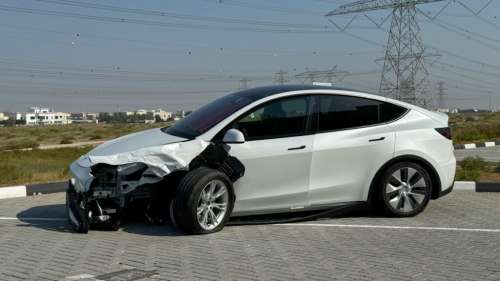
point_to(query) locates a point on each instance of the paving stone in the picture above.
(48, 250)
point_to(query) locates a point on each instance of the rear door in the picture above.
(353, 140)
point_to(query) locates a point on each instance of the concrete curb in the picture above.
(476, 145)
(55, 187)
(32, 189)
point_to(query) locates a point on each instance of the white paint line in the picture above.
(470, 146)
(392, 227)
(31, 219)
(79, 277)
(465, 185)
(489, 144)
(12, 192)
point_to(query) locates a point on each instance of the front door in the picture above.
(276, 155)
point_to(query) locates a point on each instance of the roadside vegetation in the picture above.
(476, 169)
(475, 127)
(21, 137)
(37, 166)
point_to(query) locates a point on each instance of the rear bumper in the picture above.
(446, 191)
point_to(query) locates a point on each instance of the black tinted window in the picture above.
(389, 112)
(343, 112)
(281, 118)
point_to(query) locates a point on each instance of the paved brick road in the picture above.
(354, 247)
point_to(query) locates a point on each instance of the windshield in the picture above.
(208, 116)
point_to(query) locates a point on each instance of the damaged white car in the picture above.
(268, 150)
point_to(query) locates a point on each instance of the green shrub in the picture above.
(67, 140)
(470, 169)
(95, 137)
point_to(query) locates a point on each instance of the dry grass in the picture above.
(37, 166)
(32, 137)
(475, 127)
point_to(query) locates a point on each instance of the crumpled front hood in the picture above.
(135, 141)
(161, 152)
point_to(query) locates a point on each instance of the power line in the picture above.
(179, 15)
(158, 23)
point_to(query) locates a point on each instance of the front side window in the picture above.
(280, 118)
(336, 112)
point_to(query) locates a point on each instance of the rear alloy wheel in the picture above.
(405, 189)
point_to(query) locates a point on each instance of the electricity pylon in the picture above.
(243, 83)
(281, 77)
(404, 74)
(312, 76)
(441, 94)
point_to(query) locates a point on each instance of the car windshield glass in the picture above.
(208, 116)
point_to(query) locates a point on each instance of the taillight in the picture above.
(445, 132)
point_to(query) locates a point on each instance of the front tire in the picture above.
(203, 202)
(76, 215)
(404, 189)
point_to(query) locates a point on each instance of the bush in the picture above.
(471, 168)
(67, 140)
(95, 137)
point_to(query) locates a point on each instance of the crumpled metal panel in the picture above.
(160, 159)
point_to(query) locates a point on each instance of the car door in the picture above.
(352, 141)
(276, 154)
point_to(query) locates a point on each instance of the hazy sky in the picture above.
(180, 54)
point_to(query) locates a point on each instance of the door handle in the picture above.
(297, 148)
(379, 139)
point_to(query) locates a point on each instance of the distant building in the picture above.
(141, 112)
(180, 114)
(4, 116)
(161, 114)
(83, 117)
(44, 116)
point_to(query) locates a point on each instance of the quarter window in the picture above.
(280, 118)
(343, 112)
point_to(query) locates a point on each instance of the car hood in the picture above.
(135, 141)
(161, 152)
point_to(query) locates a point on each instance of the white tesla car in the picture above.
(268, 150)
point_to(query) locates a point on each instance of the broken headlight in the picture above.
(131, 172)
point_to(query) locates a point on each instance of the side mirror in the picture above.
(233, 136)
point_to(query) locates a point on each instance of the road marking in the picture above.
(31, 219)
(393, 227)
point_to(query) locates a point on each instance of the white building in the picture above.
(3, 117)
(44, 116)
(163, 115)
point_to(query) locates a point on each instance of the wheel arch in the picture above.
(436, 181)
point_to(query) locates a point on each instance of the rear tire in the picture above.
(404, 189)
(203, 202)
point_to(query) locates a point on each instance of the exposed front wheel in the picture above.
(405, 189)
(77, 216)
(203, 202)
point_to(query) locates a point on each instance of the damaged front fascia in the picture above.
(159, 161)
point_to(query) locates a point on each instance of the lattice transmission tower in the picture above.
(404, 74)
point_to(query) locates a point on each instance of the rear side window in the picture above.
(389, 112)
(337, 112)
